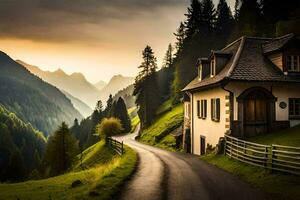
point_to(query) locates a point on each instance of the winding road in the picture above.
(163, 175)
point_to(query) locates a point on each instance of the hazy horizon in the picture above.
(98, 39)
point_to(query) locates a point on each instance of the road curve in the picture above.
(177, 176)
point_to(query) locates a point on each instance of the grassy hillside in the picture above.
(158, 133)
(103, 175)
(279, 185)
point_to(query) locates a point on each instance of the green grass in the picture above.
(288, 137)
(132, 112)
(165, 107)
(134, 122)
(279, 185)
(158, 133)
(106, 173)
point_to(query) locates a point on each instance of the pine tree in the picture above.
(224, 20)
(122, 114)
(168, 59)
(109, 103)
(16, 169)
(209, 15)
(180, 37)
(61, 150)
(194, 21)
(76, 129)
(250, 21)
(145, 88)
(237, 9)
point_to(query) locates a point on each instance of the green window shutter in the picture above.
(205, 108)
(198, 108)
(212, 109)
(218, 109)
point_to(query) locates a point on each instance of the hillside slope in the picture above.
(104, 173)
(84, 109)
(75, 84)
(15, 135)
(32, 99)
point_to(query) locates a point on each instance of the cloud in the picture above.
(74, 20)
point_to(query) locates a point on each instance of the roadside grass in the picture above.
(105, 174)
(134, 122)
(158, 133)
(288, 137)
(132, 112)
(278, 184)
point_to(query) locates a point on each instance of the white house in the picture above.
(250, 87)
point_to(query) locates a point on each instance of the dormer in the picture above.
(218, 60)
(284, 52)
(203, 68)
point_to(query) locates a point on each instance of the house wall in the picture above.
(281, 91)
(277, 60)
(208, 128)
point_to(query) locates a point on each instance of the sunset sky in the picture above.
(99, 38)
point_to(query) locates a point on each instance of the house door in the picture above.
(256, 111)
(256, 118)
(202, 145)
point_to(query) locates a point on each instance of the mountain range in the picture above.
(75, 86)
(32, 99)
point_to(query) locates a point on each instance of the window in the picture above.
(200, 72)
(203, 109)
(212, 68)
(215, 109)
(198, 108)
(293, 63)
(294, 108)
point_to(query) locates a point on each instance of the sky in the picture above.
(99, 38)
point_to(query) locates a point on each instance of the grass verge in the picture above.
(105, 173)
(279, 185)
(158, 133)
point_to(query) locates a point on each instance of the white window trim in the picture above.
(292, 67)
(200, 72)
(213, 67)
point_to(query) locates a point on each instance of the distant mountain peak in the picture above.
(59, 72)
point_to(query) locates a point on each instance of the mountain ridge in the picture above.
(32, 99)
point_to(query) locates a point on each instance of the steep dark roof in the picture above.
(276, 43)
(247, 63)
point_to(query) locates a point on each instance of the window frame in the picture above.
(215, 109)
(292, 105)
(290, 63)
(212, 67)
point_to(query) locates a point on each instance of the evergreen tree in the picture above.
(145, 88)
(224, 20)
(109, 103)
(180, 37)
(194, 21)
(168, 59)
(237, 9)
(16, 169)
(76, 129)
(250, 21)
(122, 114)
(209, 15)
(61, 150)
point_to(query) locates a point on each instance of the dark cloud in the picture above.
(61, 20)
